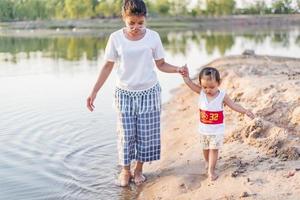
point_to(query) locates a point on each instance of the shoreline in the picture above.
(93, 26)
(260, 158)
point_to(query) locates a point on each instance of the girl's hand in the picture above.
(90, 102)
(250, 114)
(184, 71)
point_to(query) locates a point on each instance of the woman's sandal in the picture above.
(139, 178)
(124, 179)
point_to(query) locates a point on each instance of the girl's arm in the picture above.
(104, 73)
(163, 66)
(196, 88)
(186, 77)
(236, 107)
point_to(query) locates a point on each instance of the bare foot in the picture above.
(213, 176)
(206, 166)
(124, 178)
(139, 178)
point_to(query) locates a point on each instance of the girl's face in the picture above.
(135, 24)
(209, 86)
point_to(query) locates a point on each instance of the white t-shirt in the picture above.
(211, 114)
(136, 70)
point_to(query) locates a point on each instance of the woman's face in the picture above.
(135, 24)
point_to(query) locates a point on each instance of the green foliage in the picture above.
(175, 42)
(257, 8)
(283, 7)
(178, 7)
(79, 8)
(220, 42)
(220, 7)
(6, 10)
(55, 9)
(163, 7)
(107, 8)
(11, 10)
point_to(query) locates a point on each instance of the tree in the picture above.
(6, 10)
(79, 8)
(103, 9)
(39, 9)
(178, 7)
(196, 10)
(228, 7)
(282, 7)
(117, 7)
(163, 7)
(220, 7)
(258, 8)
(211, 7)
(298, 4)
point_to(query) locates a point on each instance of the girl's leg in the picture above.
(206, 154)
(213, 157)
(206, 157)
(204, 142)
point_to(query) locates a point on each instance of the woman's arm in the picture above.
(236, 107)
(104, 73)
(163, 66)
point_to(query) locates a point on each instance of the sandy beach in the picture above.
(260, 157)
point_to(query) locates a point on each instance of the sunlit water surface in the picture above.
(51, 147)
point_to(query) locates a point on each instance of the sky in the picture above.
(245, 3)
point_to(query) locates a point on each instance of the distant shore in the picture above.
(62, 27)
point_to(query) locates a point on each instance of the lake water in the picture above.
(51, 146)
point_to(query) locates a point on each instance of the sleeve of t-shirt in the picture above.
(110, 50)
(158, 52)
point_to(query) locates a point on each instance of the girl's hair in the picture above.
(134, 7)
(211, 73)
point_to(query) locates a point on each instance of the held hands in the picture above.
(90, 102)
(184, 71)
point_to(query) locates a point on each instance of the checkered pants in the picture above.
(138, 124)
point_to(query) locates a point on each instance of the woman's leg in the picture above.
(138, 173)
(125, 176)
(126, 145)
(148, 142)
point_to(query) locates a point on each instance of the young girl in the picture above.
(211, 123)
(137, 93)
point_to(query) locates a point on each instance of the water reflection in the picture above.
(68, 48)
(76, 48)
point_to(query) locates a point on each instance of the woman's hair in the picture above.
(134, 7)
(210, 73)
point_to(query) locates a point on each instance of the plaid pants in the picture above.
(138, 125)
